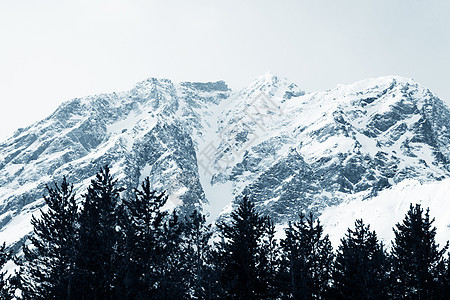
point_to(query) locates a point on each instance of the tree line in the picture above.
(108, 247)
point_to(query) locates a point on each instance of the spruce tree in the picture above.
(144, 227)
(173, 272)
(445, 278)
(164, 253)
(416, 257)
(307, 260)
(6, 290)
(98, 259)
(156, 251)
(237, 256)
(360, 268)
(196, 249)
(268, 268)
(48, 269)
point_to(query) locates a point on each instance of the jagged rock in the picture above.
(206, 145)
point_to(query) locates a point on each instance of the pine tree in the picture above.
(144, 226)
(307, 260)
(442, 289)
(98, 259)
(172, 271)
(268, 268)
(237, 258)
(6, 290)
(164, 253)
(49, 264)
(196, 251)
(156, 249)
(445, 279)
(416, 257)
(360, 268)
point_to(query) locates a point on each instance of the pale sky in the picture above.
(52, 51)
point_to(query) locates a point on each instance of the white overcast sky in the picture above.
(52, 51)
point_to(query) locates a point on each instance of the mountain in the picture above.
(207, 145)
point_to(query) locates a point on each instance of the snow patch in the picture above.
(389, 208)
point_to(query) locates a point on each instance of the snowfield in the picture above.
(389, 208)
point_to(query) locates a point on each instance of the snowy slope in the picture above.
(147, 131)
(207, 146)
(311, 151)
(389, 208)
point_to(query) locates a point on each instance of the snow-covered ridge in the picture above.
(207, 145)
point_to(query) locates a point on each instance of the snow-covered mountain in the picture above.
(207, 145)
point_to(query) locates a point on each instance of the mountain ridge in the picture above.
(207, 145)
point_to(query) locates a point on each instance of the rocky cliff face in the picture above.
(311, 151)
(207, 145)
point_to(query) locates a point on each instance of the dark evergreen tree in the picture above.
(360, 267)
(307, 260)
(196, 250)
(164, 253)
(156, 250)
(268, 268)
(237, 257)
(174, 271)
(48, 270)
(6, 290)
(144, 227)
(98, 259)
(445, 279)
(416, 257)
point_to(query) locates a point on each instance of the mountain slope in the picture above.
(388, 208)
(320, 147)
(207, 145)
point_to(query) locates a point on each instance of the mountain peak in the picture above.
(272, 85)
(382, 82)
(288, 150)
(267, 79)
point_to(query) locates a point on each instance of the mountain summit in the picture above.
(207, 145)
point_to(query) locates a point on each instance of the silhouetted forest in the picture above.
(108, 247)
